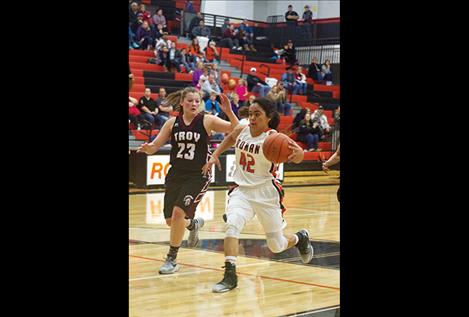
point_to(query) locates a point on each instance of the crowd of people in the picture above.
(201, 58)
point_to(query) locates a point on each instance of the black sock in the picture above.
(191, 226)
(173, 252)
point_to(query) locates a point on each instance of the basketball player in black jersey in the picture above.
(185, 185)
(334, 159)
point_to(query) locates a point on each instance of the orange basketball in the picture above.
(232, 83)
(276, 148)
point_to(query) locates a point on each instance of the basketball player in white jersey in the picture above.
(257, 192)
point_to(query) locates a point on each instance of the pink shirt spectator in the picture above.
(241, 91)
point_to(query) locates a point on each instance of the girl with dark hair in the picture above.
(256, 191)
(184, 184)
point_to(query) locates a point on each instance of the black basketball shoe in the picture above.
(230, 280)
(304, 246)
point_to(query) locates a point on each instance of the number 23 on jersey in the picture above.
(190, 151)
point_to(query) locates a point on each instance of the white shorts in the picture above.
(263, 201)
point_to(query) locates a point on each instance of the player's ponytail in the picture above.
(270, 111)
(175, 98)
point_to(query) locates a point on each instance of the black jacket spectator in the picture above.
(299, 116)
(201, 31)
(253, 81)
(195, 22)
(291, 21)
(308, 16)
(313, 70)
(149, 103)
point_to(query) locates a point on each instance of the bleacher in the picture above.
(154, 77)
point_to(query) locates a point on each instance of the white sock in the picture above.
(296, 239)
(231, 259)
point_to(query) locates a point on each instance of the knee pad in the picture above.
(276, 241)
(234, 225)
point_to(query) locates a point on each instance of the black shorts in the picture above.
(184, 190)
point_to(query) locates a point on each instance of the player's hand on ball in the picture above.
(297, 152)
(207, 168)
(146, 148)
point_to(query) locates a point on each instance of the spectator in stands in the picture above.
(159, 18)
(289, 81)
(144, 36)
(202, 103)
(158, 32)
(301, 81)
(134, 113)
(235, 105)
(278, 97)
(133, 12)
(229, 38)
(290, 54)
(195, 53)
(216, 74)
(132, 40)
(243, 114)
(197, 73)
(172, 63)
(146, 14)
(314, 70)
(307, 19)
(137, 23)
(149, 109)
(250, 101)
(248, 35)
(189, 7)
(257, 85)
(226, 25)
(181, 59)
(211, 53)
(212, 106)
(162, 51)
(299, 116)
(291, 18)
(164, 110)
(326, 71)
(242, 90)
(319, 116)
(202, 33)
(277, 53)
(163, 57)
(309, 132)
(210, 86)
(194, 23)
(204, 77)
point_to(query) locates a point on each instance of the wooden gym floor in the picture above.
(268, 284)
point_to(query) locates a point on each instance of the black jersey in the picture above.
(189, 145)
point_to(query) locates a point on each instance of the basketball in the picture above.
(276, 148)
(232, 83)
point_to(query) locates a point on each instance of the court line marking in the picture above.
(187, 273)
(222, 231)
(241, 273)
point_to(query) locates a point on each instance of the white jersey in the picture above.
(252, 168)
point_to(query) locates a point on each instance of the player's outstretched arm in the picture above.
(228, 142)
(163, 136)
(218, 125)
(334, 159)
